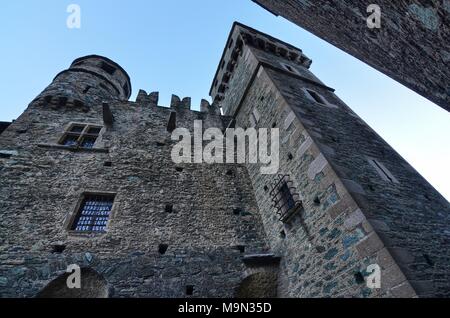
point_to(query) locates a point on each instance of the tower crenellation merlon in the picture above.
(240, 40)
(176, 103)
(147, 99)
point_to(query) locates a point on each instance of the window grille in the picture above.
(285, 199)
(94, 213)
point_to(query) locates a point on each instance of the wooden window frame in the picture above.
(80, 136)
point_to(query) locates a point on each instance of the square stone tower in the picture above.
(358, 204)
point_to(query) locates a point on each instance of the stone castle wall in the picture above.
(412, 45)
(41, 184)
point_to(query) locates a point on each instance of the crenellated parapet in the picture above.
(241, 37)
(176, 103)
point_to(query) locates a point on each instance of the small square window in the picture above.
(189, 290)
(94, 213)
(81, 135)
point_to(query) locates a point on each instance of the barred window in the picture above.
(94, 213)
(81, 135)
(285, 200)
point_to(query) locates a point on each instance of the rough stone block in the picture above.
(370, 245)
(354, 219)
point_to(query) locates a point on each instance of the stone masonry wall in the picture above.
(409, 215)
(412, 45)
(363, 204)
(319, 250)
(41, 183)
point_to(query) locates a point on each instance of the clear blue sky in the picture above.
(173, 46)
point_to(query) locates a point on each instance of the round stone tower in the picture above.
(89, 81)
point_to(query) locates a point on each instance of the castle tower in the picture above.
(344, 204)
(89, 80)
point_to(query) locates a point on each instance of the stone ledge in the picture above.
(73, 149)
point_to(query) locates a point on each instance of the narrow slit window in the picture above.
(252, 120)
(384, 173)
(289, 68)
(94, 130)
(81, 135)
(316, 97)
(126, 89)
(94, 213)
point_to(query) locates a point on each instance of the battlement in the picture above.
(152, 99)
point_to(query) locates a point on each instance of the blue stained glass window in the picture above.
(94, 213)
